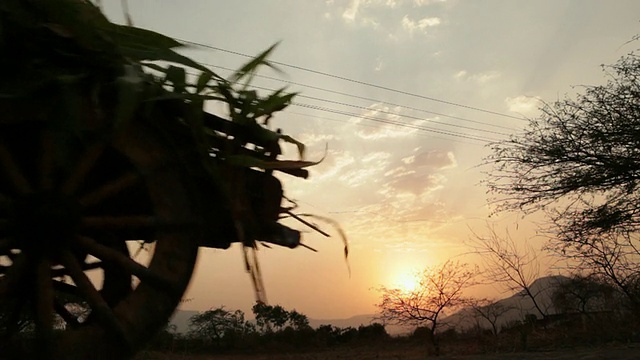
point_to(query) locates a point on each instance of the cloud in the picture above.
(418, 174)
(334, 163)
(460, 75)
(387, 16)
(480, 78)
(419, 3)
(367, 170)
(421, 25)
(310, 139)
(349, 15)
(382, 123)
(523, 104)
(379, 65)
(404, 225)
(436, 159)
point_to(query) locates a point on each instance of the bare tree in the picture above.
(489, 310)
(439, 288)
(515, 267)
(580, 163)
(585, 294)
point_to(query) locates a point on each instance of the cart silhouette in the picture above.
(98, 157)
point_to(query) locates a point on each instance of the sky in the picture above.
(454, 74)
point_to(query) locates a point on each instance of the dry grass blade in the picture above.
(331, 222)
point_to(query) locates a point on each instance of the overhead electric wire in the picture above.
(379, 127)
(355, 81)
(387, 121)
(404, 116)
(391, 122)
(387, 112)
(365, 98)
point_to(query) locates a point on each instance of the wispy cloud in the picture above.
(351, 12)
(421, 25)
(526, 105)
(480, 78)
(381, 125)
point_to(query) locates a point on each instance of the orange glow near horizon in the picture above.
(407, 281)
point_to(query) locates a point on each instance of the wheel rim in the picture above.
(60, 220)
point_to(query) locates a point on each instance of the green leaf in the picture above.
(250, 161)
(177, 76)
(274, 103)
(203, 79)
(131, 36)
(252, 65)
(140, 53)
(299, 145)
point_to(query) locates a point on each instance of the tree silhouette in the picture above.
(580, 163)
(439, 288)
(514, 266)
(490, 310)
(270, 318)
(216, 324)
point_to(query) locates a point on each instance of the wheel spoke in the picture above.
(83, 167)
(65, 314)
(44, 306)
(11, 322)
(14, 276)
(108, 254)
(110, 189)
(12, 171)
(47, 161)
(66, 288)
(98, 305)
(86, 266)
(119, 222)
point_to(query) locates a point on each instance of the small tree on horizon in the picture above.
(489, 310)
(440, 288)
(216, 324)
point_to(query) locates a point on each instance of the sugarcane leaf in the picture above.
(298, 144)
(274, 103)
(250, 161)
(203, 79)
(252, 65)
(177, 76)
(124, 35)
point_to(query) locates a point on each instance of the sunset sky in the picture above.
(454, 75)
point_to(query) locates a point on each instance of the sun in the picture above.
(407, 282)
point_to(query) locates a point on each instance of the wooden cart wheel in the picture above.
(69, 205)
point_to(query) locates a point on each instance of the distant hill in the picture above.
(519, 304)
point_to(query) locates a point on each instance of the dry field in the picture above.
(611, 352)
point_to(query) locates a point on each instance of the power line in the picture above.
(365, 98)
(356, 81)
(391, 122)
(378, 127)
(405, 116)
(388, 112)
(387, 121)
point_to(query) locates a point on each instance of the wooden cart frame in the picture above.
(85, 173)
